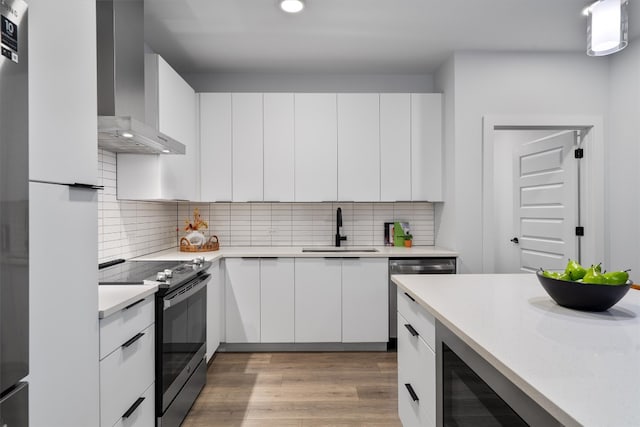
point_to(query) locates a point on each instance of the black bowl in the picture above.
(583, 296)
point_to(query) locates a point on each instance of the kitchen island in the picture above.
(581, 367)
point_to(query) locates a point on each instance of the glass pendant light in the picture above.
(607, 29)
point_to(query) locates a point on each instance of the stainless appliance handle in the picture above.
(186, 291)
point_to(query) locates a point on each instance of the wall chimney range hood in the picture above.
(127, 113)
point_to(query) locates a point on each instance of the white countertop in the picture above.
(113, 298)
(296, 252)
(583, 368)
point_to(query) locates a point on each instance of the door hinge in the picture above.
(579, 231)
(579, 153)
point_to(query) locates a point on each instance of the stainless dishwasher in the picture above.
(412, 266)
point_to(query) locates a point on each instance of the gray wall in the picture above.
(502, 84)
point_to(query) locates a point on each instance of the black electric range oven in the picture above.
(181, 316)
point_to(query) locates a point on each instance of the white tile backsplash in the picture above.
(128, 229)
(310, 224)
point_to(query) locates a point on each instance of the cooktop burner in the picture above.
(135, 272)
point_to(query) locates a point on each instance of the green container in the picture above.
(398, 234)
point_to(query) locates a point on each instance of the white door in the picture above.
(546, 201)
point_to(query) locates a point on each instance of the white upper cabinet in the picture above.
(247, 130)
(62, 94)
(395, 147)
(177, 115)
(358, 147)
(316, 151)
(215, 147)
(278, 147)
(426, 146)
(165, 177)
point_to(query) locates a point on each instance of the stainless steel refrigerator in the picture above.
(14, 215)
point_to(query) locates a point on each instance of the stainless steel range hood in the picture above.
(127, 119)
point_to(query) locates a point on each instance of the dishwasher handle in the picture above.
(422, 268)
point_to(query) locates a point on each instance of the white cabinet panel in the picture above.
(63, 144)
(358, 147)
(144, 415)
(215, 147)
(56, 213)
(165, 177)
(365, 300)
(318, 312)
(215, 309)
(278, 147)
(316, 151)
(124, 375)
(416, 367)
(121, 326)
(242, 296)
(247, 155)
(395, 147)
(177, 115)
(426, 146)
(277, 300)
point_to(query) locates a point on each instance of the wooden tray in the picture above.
(209, 246)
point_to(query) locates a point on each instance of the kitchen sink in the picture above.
(333, 249)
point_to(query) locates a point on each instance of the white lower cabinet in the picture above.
(242, 300)
(318, 295)
(215, 309)
(127, 369)
(416, 375)
(365, 300)
(277, 300)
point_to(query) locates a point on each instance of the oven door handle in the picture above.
(186, 291)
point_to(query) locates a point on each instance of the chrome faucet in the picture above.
(339, 238)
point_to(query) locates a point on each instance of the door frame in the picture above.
(591, 183)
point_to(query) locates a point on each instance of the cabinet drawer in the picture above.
(115, 330)
(125, 374)
(143, 415)
(417, 375)
(423, 322)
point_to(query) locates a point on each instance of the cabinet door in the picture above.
(316, 151)
(395, 147)
(246, 118)
(215, 309)
(426, 146)
(318, 313)
(56, 213)
(358, 147)
(278, 147)
(215, 147)
(177, 118)
(416, 367)
(365, 300)
(277, 300)
(62, 93)
(242, 297)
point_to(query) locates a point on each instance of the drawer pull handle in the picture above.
(133, 408)
(413, 394)
(412, 330)
(133, 304)
(135, 338)
(410, 297)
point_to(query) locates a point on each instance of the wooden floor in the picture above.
(298, 389)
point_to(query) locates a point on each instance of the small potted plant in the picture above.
(408, 240)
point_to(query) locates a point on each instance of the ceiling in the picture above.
(357, 36)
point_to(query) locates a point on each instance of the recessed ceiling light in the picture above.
(291, 6)
(127, 135)
(166, 151)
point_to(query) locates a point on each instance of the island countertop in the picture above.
(582, 367)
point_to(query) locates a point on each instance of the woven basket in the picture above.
(209, 246)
